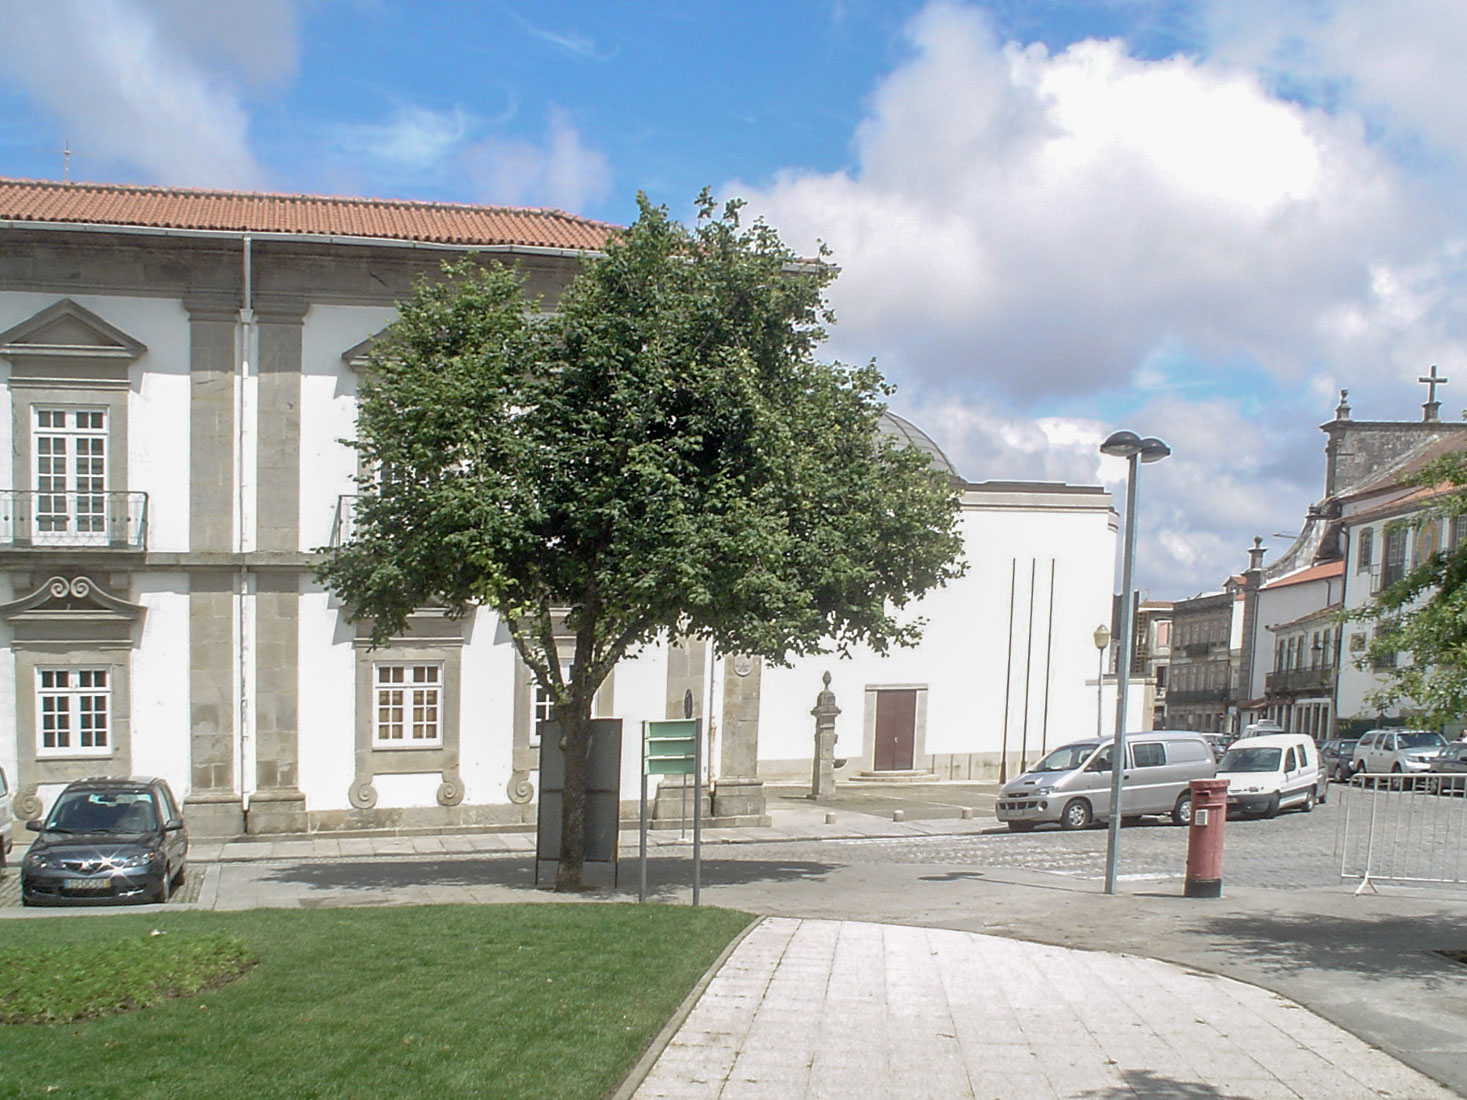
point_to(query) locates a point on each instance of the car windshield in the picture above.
(1421, 741)
(1065, 759)
(102, 812)
(1250, 760)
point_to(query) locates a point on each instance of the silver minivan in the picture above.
(1072, 784)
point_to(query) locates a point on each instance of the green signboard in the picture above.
(670, 747)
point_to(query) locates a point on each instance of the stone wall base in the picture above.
(213, 814)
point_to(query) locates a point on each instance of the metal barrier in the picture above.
(1403, 828)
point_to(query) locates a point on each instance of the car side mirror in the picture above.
(173, 825)
(33, 826)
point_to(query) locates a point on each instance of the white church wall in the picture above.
(968, 663)
(160, 719)
(328, 412)
(326, 703)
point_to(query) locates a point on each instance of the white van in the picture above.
(1273, 772)
(1072, 785)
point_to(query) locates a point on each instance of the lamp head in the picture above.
(1125, 444)
(1101, 636)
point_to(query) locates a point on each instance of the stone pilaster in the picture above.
(738, 792)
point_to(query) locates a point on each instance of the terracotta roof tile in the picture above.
(308, 215)
(1313, 573)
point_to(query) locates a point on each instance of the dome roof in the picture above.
(908, 434)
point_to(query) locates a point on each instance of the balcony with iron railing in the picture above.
(1296, 680)
(345, 523)
(31, 519)
(1196, 695)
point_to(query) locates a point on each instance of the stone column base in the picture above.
(671, 802)
(276, 810)
(213, 814)
(739, 796)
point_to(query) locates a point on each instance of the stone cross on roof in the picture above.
(1431, 406)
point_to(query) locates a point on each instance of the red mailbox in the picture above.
(1205, 838)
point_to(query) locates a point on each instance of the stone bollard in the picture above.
(822, 777)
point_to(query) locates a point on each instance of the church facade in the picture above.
(177, 373)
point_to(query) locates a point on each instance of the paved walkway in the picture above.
(835, 1010)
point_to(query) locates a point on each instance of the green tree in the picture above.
(662, 455)
(1418, 646)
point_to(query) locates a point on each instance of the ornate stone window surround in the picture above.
(70, 622)
(432, 639)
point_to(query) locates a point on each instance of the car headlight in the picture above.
(1043, 792)
(40, 859)
(138, 859)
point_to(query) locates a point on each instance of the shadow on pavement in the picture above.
(520, 873)
(1142, 1084)
(1372, 946)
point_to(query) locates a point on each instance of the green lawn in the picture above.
(523, 1001)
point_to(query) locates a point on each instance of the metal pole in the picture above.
(642, 883)
(1008, 676)
(1100, 691)
(1123, 675)
(697, 812)
(1048, 653)
(1028, 667)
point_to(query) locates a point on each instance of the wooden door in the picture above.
(896, 730)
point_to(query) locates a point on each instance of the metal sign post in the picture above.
(673, 747)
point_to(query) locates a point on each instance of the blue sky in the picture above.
(1195, 219)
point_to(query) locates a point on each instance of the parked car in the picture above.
(1448, 772)
(1072, 785)
(105, 841)
(1398, 752)
(1338, 756)
(1273, 772)
(1218, 742)
(1260, 729)
(7, 822)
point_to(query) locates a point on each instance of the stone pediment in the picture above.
(71, 608)
(67, 344)
(356, 356)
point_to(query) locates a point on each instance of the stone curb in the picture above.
(638, 1073)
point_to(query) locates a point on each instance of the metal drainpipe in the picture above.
(246, 349)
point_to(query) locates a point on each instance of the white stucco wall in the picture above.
(966, 660)
(160, 703)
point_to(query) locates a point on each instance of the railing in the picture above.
(1202, 695)
(1300, 679)
(345, 523)
(72, 520)
(1403, 829)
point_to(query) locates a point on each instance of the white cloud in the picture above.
(1038, 224)
(560, 172)
(120, 79)
(1024, 230)
(414, 141)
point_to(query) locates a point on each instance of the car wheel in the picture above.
(178, 876)
(1308, 802)
(1021, 826)
(1273, 807)
(1076, 814)
(1182, 811)
(1397, 782)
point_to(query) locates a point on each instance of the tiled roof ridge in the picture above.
(300, 197)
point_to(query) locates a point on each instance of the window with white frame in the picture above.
(70, 448)
(409, 705)
(73, 712)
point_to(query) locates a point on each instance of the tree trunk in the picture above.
(575, 729)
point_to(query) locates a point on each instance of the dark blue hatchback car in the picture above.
(106, 841)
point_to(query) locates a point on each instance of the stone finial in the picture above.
(1255, 554)
(1342, 410)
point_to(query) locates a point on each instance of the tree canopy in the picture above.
(662, 454)
(1422, 617)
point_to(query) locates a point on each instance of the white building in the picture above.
(177, 372)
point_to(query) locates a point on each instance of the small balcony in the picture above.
(1296, 681)
(1198, 695)
(345, 523)
(30, 519)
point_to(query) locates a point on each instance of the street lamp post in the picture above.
(1102, 639)
(1134, 450)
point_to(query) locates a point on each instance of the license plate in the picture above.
(86, 884)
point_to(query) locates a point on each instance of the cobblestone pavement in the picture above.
(1291, 850)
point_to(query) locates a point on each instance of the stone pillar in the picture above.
(277, 804)
(822, 777)
(212, 805)
(738, 790)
